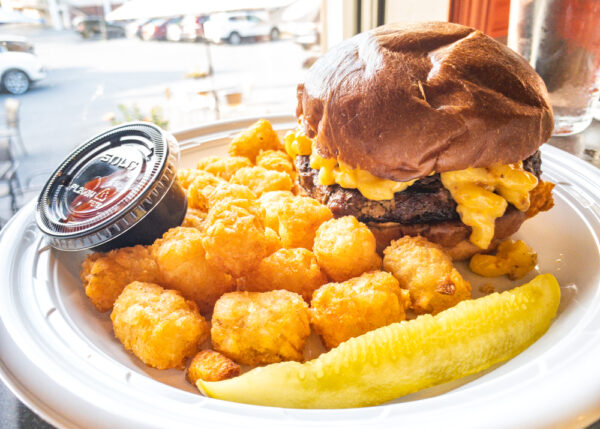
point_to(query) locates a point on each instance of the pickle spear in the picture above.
(404, 357)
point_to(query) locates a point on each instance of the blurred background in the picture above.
(72, 68)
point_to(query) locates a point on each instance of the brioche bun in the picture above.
(403, 100)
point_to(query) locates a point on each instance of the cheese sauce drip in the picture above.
(332, 171)
(296, 144)
(482, 195)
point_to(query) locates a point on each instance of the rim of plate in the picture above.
(59, 373)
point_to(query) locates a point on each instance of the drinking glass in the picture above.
(561, 40)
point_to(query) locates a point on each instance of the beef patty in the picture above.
(426, 201)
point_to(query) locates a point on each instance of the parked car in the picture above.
(234, 27)
(301, 21)
(94, 26)
(192, 27)
(133, 29)
(309, 41)
(174, 30)
(19, 66)
(306, 34)
(150, 29)
(16, 44)
(161, 31)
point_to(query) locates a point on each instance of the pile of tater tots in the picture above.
(255, 268)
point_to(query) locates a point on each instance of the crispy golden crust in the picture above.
(276, 160)
(183, 266)
(258, 328)
(540, 198)
(194, 218)
(186, 176)
(295, 270)
(223, 166)
(273, 242)
(295, 219)
(104, 275)
(229, 191)
(427, 273)
(235, 240)
(209, 365)
(345, 248)
(260, 136)
(269, 200)
(261, 180)
(513, 258)
(202, 185)
(340, 311)
(157, 325)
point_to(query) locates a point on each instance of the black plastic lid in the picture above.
(107, 185)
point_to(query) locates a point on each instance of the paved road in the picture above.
(88, 79)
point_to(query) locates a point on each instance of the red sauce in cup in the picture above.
(96, 195)
(117, 189)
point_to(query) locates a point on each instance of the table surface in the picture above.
(15, 415)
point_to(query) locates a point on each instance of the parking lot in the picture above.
(88, 79)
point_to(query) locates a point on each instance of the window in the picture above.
(185, 69)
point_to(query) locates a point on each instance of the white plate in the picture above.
(58, 355)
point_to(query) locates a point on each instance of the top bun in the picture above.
(404, 100)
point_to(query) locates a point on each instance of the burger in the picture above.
(428, 129)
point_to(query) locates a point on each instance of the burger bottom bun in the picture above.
(453, 236)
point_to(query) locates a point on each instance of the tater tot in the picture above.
(256, 138)
(104, 275)
(261, 180)
(235, 240)
(272, 197)
(229, 191)
(198, 191)
(209, 365)
(258, 328)
(183, 266)
(295, 219)
(427, 273)
(194, 218)
(340, 311)
(271, 202)
(540, 198)
(273, 242)
(197, 200)
(186, 176)
(223, 166)
(295, 270)
(513, 258)
(157, 325)
(276, 160)
(345, 248)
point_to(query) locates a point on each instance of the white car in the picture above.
(233, 27)
(19, 66)
(174, 30)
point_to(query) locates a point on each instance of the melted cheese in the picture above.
(332, 171)
(296, 143)
(372, 187)
(482, 195)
